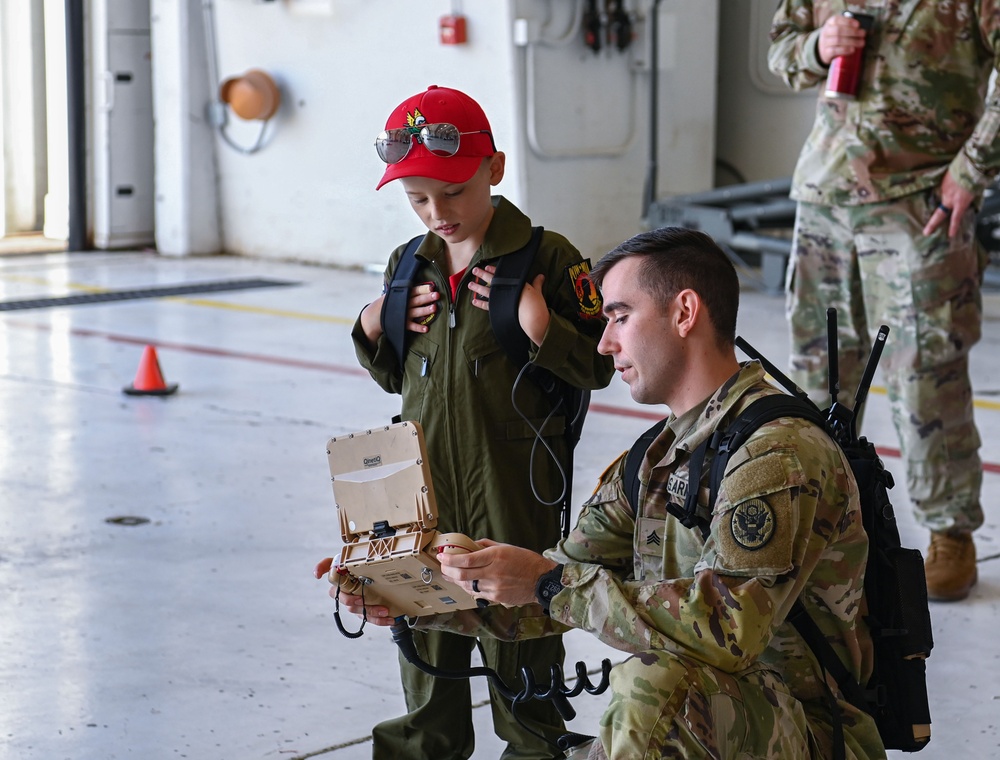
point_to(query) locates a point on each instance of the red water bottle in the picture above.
(845, 70)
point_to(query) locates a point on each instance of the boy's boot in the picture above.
(950, 566)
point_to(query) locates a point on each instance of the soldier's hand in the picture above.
(955, 201)
(503, 573)
(840, 35)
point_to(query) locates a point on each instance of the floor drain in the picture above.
(127, 520)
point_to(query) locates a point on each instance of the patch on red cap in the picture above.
(441, 105)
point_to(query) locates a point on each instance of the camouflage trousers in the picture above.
(667, 706)
(875, 266)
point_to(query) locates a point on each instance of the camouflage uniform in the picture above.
(867, 182)
(457, 384)
(716, 671)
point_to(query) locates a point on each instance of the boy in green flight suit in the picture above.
(491, 477)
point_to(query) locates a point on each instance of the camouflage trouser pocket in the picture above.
(925, 287)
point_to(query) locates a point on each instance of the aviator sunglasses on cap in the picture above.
(393, 145)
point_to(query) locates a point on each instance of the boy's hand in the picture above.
(371, 321)
(421, 307)
(532, 311)
(480, 286)
(377, 614)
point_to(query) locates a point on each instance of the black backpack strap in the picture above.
(397, 296)
(633, 460)
(828, 659)
(832, 664)
(505, 293)
(759, 413)
(724, 443)
(688, 514)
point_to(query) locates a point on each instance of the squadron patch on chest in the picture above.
(752, 524)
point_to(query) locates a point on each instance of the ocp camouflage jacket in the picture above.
(786, 525)
(921, 107)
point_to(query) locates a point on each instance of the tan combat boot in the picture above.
(950, 566)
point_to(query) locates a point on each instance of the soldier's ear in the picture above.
(687, 310)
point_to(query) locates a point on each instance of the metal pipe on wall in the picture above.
(649, 187)
(75, 56)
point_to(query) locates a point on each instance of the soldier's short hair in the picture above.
(676, 258)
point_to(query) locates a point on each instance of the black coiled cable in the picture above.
(557, 692)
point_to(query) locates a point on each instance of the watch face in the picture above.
(550, 588)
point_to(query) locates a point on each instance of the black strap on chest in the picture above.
(633, 461)
(722, 444)
(505, 292)
(397, 297)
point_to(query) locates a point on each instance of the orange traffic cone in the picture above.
(149, 379)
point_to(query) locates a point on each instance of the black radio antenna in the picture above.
(833, 354)
(866, 379)
(773, 371)
(839, 418)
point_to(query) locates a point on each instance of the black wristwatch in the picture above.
(549, 584)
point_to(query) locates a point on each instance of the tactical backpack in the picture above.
(896, 589)
(505, 293)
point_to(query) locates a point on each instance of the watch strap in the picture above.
(549, 584)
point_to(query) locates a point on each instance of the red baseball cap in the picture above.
(441, 105)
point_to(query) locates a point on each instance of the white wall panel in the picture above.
(342, 66)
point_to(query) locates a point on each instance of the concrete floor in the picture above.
(200, 633)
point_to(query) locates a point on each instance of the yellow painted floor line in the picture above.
(209, 303)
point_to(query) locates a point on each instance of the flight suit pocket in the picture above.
(418, 367)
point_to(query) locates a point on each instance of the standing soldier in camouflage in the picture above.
(888, 185)
(716, 669)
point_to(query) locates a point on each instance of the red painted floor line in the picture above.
(204, 350)
(615, 411)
